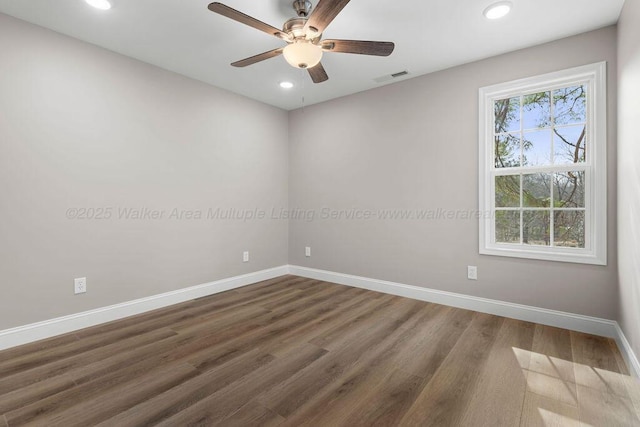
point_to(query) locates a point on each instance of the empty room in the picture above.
(319, 213)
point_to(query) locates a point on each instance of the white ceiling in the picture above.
(185, 37)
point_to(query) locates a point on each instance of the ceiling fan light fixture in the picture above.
(498, 10)
(99, 4)
(302, 54)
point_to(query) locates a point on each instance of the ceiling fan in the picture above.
(304, 37)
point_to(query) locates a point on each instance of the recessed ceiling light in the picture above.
(498, 10)
(99, 4)
(286, 85)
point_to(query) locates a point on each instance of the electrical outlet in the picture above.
(245, 256)
(80, 285)
(307, 251)
(472, 272)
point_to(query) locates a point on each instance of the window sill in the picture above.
(545, 254)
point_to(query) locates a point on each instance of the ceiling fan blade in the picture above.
(258, 58)
(247, 20)
(324, 13)
(318, 74)
(361, 47)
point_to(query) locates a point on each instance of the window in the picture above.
(543, 167)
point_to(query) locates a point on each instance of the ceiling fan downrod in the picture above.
(302, 8)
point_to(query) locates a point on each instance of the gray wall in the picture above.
(629, 172)
(81, 127)
(414, 145)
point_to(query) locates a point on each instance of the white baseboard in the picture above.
(62, 325)
(575, 322)
(592, 325)
(627, 352)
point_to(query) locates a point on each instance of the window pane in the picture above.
(508, 191)
(536, 110)
(569, 145)
(568, 190)
(507, 115)
(569, 229)
(570, 105)
(507, 150)
(535, 228)
(508, 226)
(536, 148)
(536, 190)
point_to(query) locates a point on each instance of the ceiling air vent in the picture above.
(391, 76)
(401, 73)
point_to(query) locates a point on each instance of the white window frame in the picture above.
(595, 167)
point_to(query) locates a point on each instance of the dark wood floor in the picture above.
(299, 352)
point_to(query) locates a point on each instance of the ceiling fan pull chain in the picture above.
(302, 85)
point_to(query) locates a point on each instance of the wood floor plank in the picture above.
(312, 283)
(228, 400)
(445, 398)
(282, 312)
(213, 303)
(302, 352)
(598, 379)
(80, 361)
(161, 318)
(207, 310)
(38, 346)
(552, 354)
(215, 314)
(29, 361)
(389, 401)
(256, 291)
(289, 396)
(39, 390)
(359, 386)
(504, 379)
(190, 392)
(158, 316)
(34, 393)
(93, 385)
(434, 344)
(334, 337)
(305, 332)
(111, 371)
(270, 328)
(595, 364)
(551, 371)
(259, 295)
(540, 411)
(282, 300)
(56, 348)
(208, 336)
(253, 303)
(633, 390)
(252, 415)
(622, 365)
(599, 408)
(161, 350)
(116, 400)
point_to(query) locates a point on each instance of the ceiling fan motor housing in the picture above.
(302, 7)
(295, 27)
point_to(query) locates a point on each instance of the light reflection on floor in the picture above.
(564, 393)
